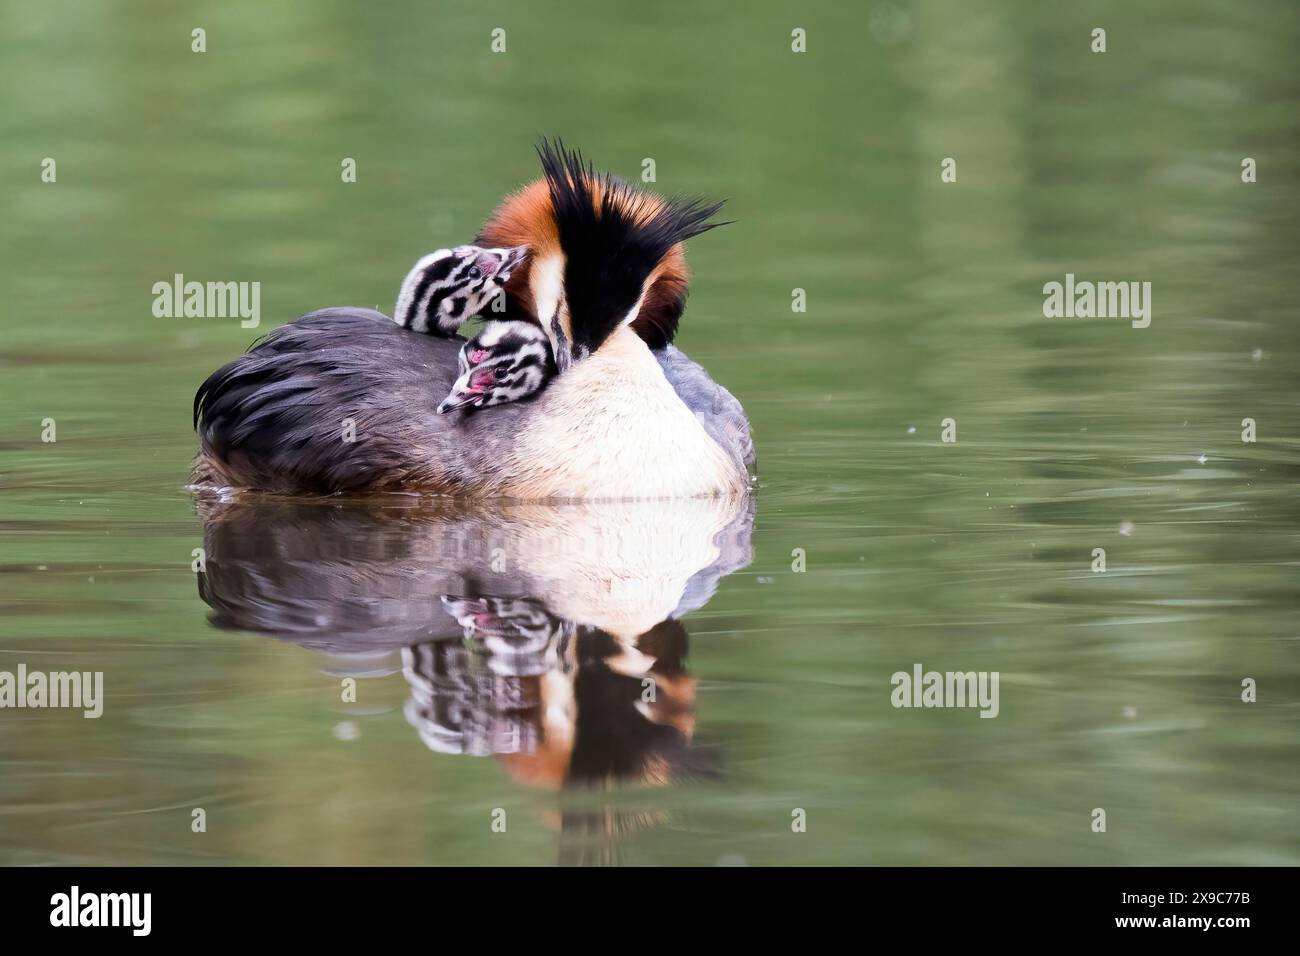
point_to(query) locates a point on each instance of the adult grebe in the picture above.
(339, 400)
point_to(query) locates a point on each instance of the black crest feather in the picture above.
(613, 235)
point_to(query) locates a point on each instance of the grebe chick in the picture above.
(449, 286)
(505, 362)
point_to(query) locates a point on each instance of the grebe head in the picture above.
(505, 362)
(448, 286)
(604, 254)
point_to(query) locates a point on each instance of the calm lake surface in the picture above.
(500, 655)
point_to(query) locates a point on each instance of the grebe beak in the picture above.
(560, 345)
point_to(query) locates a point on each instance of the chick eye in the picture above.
(473, 272)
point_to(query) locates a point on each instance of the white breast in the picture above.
(612, 427)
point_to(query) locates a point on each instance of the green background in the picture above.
(1119, 690)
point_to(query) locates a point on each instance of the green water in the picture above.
(1119, 690)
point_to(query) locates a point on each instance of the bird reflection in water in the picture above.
(547, 636)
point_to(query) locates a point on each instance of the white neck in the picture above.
(612, 427)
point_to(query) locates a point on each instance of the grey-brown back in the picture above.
(279, 417)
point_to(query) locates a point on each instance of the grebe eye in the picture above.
(473, 272)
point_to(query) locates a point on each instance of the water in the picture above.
(1119, 690)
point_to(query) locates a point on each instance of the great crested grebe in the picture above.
(334, 401)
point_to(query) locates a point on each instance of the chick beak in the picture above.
(458, 400)
(470, 389)
(512, 258)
